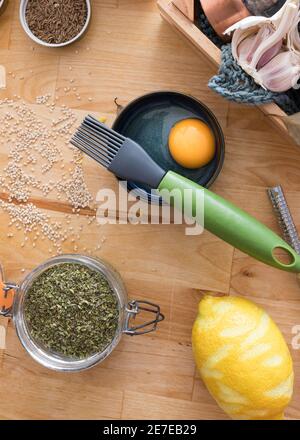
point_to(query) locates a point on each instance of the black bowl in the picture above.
(148, 120)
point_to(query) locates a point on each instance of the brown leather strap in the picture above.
(6, 296)
(6, 303)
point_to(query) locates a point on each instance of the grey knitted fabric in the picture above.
(236, 85)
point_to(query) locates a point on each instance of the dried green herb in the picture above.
(56, 21)
(72, 310)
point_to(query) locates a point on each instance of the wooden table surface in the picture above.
(129, 51)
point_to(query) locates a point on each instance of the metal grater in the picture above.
(284, 216)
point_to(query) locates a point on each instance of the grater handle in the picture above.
(232, 224)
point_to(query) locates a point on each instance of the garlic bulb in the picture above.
(293, 39)
(268, 49)
(281, 73)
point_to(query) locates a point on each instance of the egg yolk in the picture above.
(192, 143)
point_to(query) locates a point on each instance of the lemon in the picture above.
(242, 358)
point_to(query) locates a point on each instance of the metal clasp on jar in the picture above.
(7, 295)
(7, 299)
(133, 309)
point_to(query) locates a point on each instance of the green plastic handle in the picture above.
(232, 224)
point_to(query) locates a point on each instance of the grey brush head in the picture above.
(120, 155)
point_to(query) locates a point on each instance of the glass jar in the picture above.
(14, 297)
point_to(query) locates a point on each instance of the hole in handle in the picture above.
(283, 256)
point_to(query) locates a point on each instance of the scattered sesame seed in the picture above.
(31, 142)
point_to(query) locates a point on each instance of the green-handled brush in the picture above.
(127, 160)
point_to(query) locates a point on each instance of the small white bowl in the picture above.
(30, 34)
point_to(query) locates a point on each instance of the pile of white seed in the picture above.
(36, 151)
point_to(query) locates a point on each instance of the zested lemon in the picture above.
(243, 359)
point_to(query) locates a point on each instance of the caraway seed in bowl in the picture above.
(56, 21)
(71, 310)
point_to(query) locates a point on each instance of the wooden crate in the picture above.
(180, 14)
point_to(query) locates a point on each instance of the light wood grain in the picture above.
(152, 407)
(186, 7)
(5, 24)
(129, 51)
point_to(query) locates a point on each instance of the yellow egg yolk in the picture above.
(192, 143)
